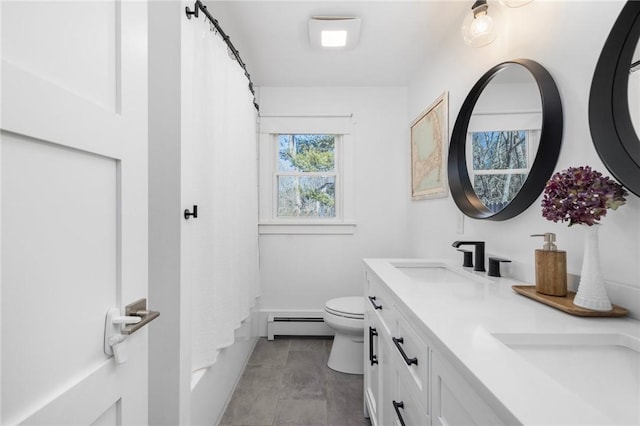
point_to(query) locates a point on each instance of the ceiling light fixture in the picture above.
(333, 38)
(477, 28)
(334, 32)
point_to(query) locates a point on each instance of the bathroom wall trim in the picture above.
(263, 316)
(297, 324)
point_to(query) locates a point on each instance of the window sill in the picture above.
(289, 228)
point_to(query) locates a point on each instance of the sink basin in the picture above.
(602, 369)
(435, 273)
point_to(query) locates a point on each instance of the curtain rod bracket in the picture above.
(190, 13)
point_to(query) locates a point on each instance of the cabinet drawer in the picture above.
(372, 370)
(412, 355)
(378, 302)
(455, 402)
(409, 407)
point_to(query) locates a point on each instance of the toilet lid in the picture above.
(351, 307)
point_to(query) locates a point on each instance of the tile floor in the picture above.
(287, 382)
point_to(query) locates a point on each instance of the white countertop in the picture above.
(463, 318)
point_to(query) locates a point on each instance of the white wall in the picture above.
(172, 400)
(168, 375)
(304, 271)
(566, 38)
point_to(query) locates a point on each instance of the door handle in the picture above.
(117, 327)
(138, 309)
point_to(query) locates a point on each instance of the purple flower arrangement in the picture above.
(580, 195)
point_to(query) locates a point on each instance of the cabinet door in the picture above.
(379, 303)
(408, 406)
(389, 384)
(455, 402)
(372, 367)
(412, 354)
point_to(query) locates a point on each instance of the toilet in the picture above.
(345, 315)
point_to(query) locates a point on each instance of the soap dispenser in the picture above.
(551, 267)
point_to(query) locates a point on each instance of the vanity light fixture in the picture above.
(477, 28)
(514, 3)
(334, 32)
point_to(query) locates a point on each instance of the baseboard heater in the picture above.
(296, 325)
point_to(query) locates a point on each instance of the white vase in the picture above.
(592, 293)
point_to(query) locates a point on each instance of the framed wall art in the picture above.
(429, 140)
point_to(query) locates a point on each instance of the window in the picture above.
(500, 164)
(306, 176)
(306, 167)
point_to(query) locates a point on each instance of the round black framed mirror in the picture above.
(610, 117)
(475, 194)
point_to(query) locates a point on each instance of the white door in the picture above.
(73, 209)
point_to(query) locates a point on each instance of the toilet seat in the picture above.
(348, 307)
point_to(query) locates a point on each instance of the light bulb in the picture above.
(481, 25)
(478, 30)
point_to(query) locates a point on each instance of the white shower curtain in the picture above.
(220, 176)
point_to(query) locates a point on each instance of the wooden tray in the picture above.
(565, 304)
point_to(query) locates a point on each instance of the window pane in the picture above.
(306, 153)
(306, 196)
(496, 191)
(499, 150)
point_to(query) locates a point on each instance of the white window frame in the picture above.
(533, 141)
(335, 173)
(532, 137)
(340, 125)
(483, 121)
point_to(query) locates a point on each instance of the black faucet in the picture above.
(467, 258)
(494, 266)
(478, 262)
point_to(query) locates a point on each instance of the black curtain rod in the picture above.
(635, 66)
(199, 6)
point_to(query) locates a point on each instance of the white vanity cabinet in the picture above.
(407, 380)
(455, 347)
(396, 378)
(377, 309)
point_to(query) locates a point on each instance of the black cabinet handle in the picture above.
(373, 359)
(372, 300)
(397, 341)
(397, 406)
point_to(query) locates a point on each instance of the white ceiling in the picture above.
(396, 38)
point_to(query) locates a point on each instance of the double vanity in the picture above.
(448, 346)
(445, 345)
